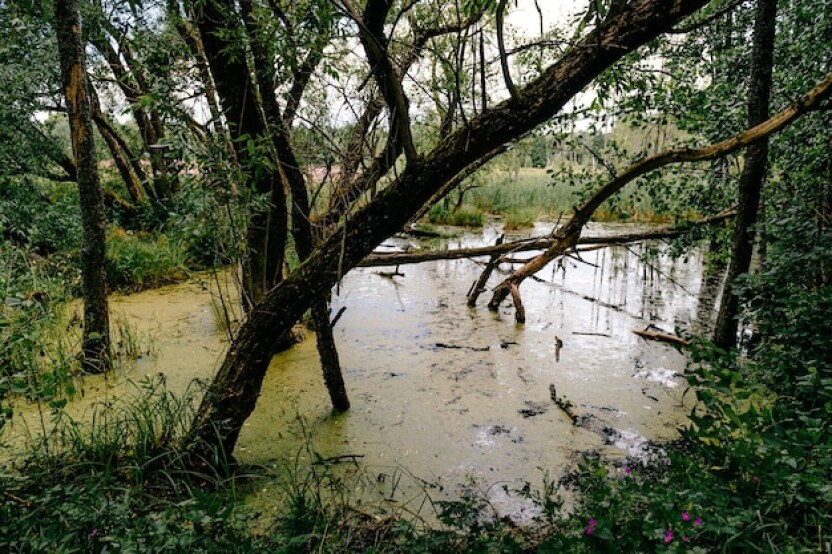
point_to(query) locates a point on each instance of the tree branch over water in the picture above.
(539, 243)
(568, 236)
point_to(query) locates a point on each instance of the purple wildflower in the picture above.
(698, 521)
(590, 526)
(668, 535)
(94, 533)
(685, 516)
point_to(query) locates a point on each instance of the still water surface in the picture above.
(448, 396)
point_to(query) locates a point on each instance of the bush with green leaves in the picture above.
(465, 216)
(142, 261)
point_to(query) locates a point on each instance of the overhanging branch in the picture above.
(568, 235)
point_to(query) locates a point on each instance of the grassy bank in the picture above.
(521, 197)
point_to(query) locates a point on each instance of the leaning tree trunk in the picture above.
(96, 341)
(233, 394)
(290, 174)
(753, 173)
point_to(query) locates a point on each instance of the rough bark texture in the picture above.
(753, 173)
(233, 394)
(96, 341)
(267, 227)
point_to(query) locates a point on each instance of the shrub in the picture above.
(463, 217)
(141, 261)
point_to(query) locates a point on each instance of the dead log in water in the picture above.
(562, 403)
(377, 259)
(662, 336)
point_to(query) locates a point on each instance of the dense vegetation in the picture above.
(187, 187)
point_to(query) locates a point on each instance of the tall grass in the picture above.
(124, 438)
(120, 483)
(466, 216)
(528, 188)
(526, 195)
(142, 261)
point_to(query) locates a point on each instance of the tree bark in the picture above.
(267, 228)
(234, 391)
(96, 340)
(753, 173)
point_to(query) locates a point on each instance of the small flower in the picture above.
(668, 535)
(628, 470)
(618, 537)
(590, 526)
(94, 533)
(685, 516)
(686, 538)
(698, 521)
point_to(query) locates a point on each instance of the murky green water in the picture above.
(457, 397)
(460, 396)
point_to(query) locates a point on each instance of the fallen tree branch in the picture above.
(562, 403)
(378, 259)
(663, 337)
(478, 286)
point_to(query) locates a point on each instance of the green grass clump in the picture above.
(142, 261)
(119, 484)
(465, 216)
(527, 188)
(519, 218)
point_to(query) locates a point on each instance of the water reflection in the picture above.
(447, 397)
(459, 395)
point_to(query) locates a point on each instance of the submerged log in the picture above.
(378, 259)
(662, 336)
(519, 310)
(478, 287)
(562, 403)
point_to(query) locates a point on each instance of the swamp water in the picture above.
(447, 399)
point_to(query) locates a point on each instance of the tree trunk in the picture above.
(267, 227)
(753, 173)
(233, 394)
(96, 341)
(328, 353)
(294, 181)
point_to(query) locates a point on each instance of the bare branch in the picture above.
(372, 36)
(568, 235)
(540, 243)
(501, 45)
(731, 6)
